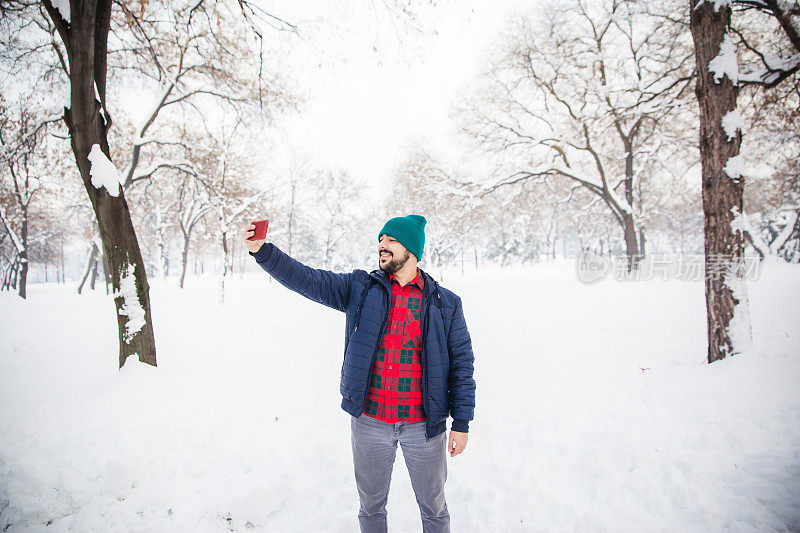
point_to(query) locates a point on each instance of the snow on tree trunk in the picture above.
(129, 304)
(225, 262)
(20, 262)
(86, 41)
(727, 306)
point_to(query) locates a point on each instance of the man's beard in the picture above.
(394, 264)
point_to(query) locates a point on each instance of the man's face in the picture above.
(391, 254)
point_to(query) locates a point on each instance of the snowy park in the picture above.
(550, 251)
(596, 411)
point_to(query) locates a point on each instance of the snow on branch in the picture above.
(786, 232)
(775, 70)
(254, 14)
(181, 166)
(11, 233)
(741, 224)
(141, 141)
(620, 202)
(150, 117)
(22, 145)
(246, 203)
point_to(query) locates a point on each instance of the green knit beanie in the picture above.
(409, 231)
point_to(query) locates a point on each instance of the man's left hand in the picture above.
(456, 443)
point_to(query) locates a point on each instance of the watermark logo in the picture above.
(592, 267)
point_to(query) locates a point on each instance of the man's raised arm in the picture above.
(322, 286)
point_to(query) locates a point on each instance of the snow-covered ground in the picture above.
(595, 412)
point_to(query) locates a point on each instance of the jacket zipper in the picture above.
(424, 358)
(360, 305)
(377, 345)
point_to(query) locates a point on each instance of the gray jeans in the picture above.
(374, 446)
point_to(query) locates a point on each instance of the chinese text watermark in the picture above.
(593, 267)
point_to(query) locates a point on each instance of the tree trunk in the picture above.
(726, 297)
(231, 260)
(635, 251)
(631, 241)
(225, 252)
(93, 275)
(13, 272)
(185, 255)
(162, 255)
(10, 275)
(92, 259)
(328, 245)
(23, 256)
(61, 259)
(86, 42)
(224, 267)
(642, 243)
(106, 270)
(291, 218)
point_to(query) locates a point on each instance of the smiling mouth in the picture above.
(385, 256)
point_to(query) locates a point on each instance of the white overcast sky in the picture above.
(367, 95)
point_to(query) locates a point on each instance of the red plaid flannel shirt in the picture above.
(395, 384)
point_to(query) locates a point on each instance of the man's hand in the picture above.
(252, 246)
(456, 443)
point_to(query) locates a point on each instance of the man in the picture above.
(408, 364)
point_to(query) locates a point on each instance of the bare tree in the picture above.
(193, 50)
(191, 210)
(766, 35)
(93, 259)
(299, 178)
(772, 223)
(587, 92)
(681, 218)
(23, 132)
(335, 196)
(775, 53)
(225, 172)
(197, 67)
(157, 219)
(323, 214)
(83, 28)
(423, 185)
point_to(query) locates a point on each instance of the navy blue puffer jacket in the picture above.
(448, 387)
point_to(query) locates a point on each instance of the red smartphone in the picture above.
(260, 233)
